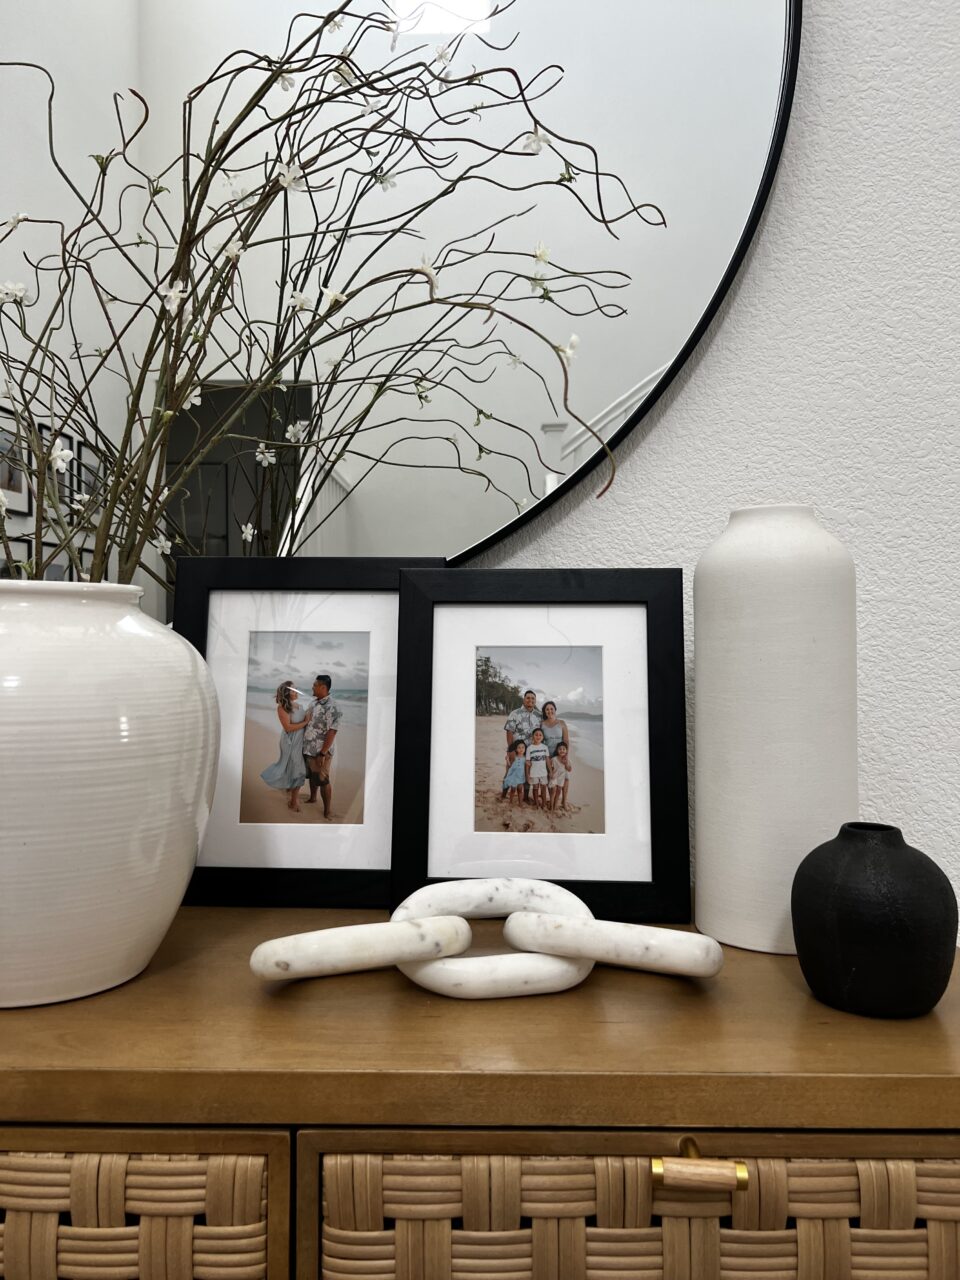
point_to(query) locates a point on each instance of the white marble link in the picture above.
(635, 946)
(495, 897)
(359, 946)
(510, 973)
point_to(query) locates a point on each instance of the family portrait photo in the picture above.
(305, 731)
(539, 739)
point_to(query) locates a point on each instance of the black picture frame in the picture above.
(196, 578)
(22, 548)
(666, 898)
(14, 481)
(68, 481)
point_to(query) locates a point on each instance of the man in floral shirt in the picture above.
(519, 727)
(318, 736)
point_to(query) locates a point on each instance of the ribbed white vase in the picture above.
(109, 735)
(775, 699)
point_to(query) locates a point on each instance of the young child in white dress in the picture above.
(560, 770)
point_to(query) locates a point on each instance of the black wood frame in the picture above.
(664, 899)
(196, 578)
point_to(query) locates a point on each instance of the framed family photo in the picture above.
(303, 654)
(543, 734)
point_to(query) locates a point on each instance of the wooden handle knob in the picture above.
(689, 1171)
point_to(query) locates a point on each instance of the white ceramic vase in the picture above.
(775, 697)
(109, 735)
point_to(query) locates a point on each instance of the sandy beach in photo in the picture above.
(260, 803)
(585, 813)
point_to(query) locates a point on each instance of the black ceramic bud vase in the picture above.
(875, 923)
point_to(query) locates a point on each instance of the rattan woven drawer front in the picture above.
(507, 1217)
(134, 1215)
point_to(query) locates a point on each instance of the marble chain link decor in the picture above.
(556, 939)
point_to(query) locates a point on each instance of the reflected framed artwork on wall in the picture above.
(14, 487)
(303, 654)
(543, 734)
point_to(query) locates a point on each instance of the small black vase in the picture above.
(875, 923)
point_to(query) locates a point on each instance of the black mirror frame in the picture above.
(788, 80)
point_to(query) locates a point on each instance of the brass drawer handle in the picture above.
(689, 1171)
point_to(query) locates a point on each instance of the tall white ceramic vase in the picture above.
(108, 745)
(775, 698)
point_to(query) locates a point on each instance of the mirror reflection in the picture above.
(679, 98)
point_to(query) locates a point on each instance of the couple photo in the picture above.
(537, 769)
(305, 732)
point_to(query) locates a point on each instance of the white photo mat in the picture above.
(624, 851)
(233, 615)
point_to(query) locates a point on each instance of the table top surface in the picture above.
(197, 1039)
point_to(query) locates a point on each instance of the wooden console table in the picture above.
(150, 1130)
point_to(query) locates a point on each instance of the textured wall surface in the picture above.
(831, 377)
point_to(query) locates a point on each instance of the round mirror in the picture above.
(685, 101)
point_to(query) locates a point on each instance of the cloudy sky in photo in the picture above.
(570, 676)
(299, 656)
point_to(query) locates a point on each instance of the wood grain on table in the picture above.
(197, 1039)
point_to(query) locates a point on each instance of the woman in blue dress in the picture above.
(288, 773)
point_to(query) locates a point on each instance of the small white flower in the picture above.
(233, 249)
(334, 23)
(193, 398)
(567, 353)
(238, 195)
(369, 106)
(300, 302)
(541, 252)
(290, 177)
(247, 531)
(265, 457)
(60, 457)
(426, 268)
(286, 82)
(80, 501)
(514, 362)
(295, 432)
(385, 181)
(163, 545)
(172, 295)
(538, 282)
(345, 73)
(11, 224)
(3, 506)
(534, 142)
(10, 291)
(443, 54)
(330, 296)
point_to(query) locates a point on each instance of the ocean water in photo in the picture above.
(586, 739)
(262, 705)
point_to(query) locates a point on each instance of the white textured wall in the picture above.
(830, 377)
